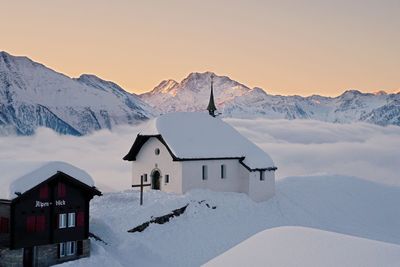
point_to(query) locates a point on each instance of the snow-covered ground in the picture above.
(339, 204)
(318, 186)
(292, 245)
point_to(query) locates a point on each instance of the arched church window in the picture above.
(157, 151)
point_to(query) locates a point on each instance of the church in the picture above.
(181, 151)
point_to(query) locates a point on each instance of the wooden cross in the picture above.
(141, 185)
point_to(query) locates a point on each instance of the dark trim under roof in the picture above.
(92, 189)
(142, 139)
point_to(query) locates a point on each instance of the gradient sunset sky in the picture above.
(285, 47)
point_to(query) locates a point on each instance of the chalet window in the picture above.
(223, 171)
(40, 223)
(44, 192)
(71, 219)
(67, 249)
(167, 178)
(145, 177)
(262, 175)
(4, 225)
(62, 250)
(62, 220)
(71, 248)
(204, 172)
(80, 219)
(30, 224)
(157, 151)
(61, 190)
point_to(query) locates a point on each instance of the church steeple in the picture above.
(211, 105)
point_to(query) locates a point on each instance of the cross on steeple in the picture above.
(211, 105)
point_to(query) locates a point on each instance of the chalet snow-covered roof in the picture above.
(21, 176)
(195, 135)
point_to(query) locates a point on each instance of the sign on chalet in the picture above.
(44, 213)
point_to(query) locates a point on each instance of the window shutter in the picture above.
(30, 224)
(44, 192)
(56, 221)
(4, 225)
(40, 223)
(61, 190)
(80, 219)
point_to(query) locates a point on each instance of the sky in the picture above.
(286, 47)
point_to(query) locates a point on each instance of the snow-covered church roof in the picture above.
(21, 176)
(195, 135)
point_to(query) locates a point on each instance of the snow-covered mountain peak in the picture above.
(32, 95)
(11, 63)
(165, 87)
(258, 90)
(350, 94)
(193, 92)
(234, 99)
(381, 92)
(96, 82)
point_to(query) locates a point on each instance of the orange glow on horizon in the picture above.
(286, 47)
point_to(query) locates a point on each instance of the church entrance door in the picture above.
(155, 180)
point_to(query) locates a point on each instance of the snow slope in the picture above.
(32, 95)
(345, 205)
(292, 246)
(234, 99)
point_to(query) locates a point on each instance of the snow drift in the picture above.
(345, 205)
(299, 246)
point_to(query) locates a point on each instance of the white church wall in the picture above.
(262, 190)
(147, 161)
(187, 175)
(235, 179)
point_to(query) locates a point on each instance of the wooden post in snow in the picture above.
(141, 185)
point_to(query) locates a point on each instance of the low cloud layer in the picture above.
(297, 147)
(311, 147)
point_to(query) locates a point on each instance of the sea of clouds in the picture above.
(297, 147)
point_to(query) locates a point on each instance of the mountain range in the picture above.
(234, 99)
(33, 95)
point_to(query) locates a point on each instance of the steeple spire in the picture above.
(211, 105)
